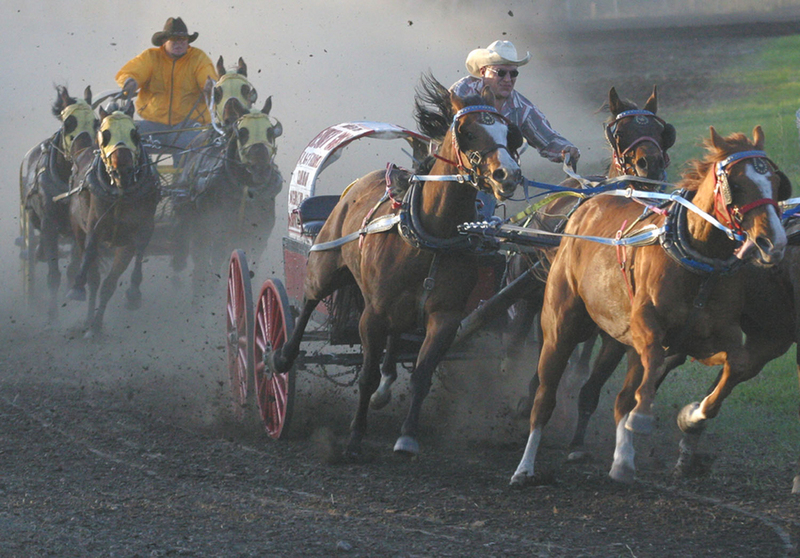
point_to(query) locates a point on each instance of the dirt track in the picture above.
(125, 448)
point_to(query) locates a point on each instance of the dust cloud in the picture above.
(322, 62)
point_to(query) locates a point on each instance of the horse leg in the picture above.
(441, 328)
(122, 257)
(565, 323)
(49, 244)
(89, 259)
(647, 340)
(692, 418)
(623, 468)
(133, 295)
(280, 360)
(607, 360)
(372, 329)
(383, 395)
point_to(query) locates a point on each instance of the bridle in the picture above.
(475, 157)
(729, 214)
(619, 154)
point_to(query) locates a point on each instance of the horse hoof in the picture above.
(579, 456)
(687, 423)
(380, 399)
(406, 445)
(76, 294)
(622, 474)
(641, 424)
(521, 479)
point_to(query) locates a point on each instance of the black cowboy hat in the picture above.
(174, 27)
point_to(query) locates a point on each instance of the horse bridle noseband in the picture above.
(613, 140)
(474, 157)
(729, 214)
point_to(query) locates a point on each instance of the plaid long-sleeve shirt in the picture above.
(535, 128)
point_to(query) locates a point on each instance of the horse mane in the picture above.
(60, 105)
(433, 110)
(697, 169)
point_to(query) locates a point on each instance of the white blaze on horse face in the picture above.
(765, 188)
(499, 133)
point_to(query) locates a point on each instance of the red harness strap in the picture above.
(622, 259)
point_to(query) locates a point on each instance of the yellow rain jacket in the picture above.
(168, 88)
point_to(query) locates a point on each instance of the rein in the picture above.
(723, 198)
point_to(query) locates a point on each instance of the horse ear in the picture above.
(217, 95)
(277, 129)
(129, 108)
(87, 94)
(668, 136)
(220, 66)
(784, 187)
(758, 138)
(614, 102)
(267, 105)
(232, 111)
(652, 102)
(103, 113)
(242, 68)
(137, 139)
(456, 101)
(717, 140)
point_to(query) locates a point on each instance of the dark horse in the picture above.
(114, 203)
(639, 140)
(44, 180)
(681, 297)
(232, 182)
(419, 274)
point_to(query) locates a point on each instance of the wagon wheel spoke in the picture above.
(239, 316)
(274, 392)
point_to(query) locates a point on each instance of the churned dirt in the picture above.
(126, 447)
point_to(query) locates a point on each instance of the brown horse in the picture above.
(232, 181)
(420, 273)
(44, 179)
(114, 202)
(684, 294)
(639, 140)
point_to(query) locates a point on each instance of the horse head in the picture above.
(638, 138)
(78, 121)
(740, 186)
(485, 145)
(120, 145)
(255, 133)
(232, 88)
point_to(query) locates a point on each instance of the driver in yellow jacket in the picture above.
(170, 79)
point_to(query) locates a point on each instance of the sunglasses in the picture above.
(502, 73)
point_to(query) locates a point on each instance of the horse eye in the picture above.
(106, 137)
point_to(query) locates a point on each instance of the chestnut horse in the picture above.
(639, 140)
(115, 194)
(417, 273)
(44, 179)
(684, 295)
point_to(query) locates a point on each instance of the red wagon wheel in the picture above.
(274, 325)
(239, 331)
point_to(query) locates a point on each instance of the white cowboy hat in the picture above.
(497, 53)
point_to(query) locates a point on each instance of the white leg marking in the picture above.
(623, 468)
(525, 468)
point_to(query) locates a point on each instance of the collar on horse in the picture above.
(99, 184)
(619, 154)
(675, 242)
